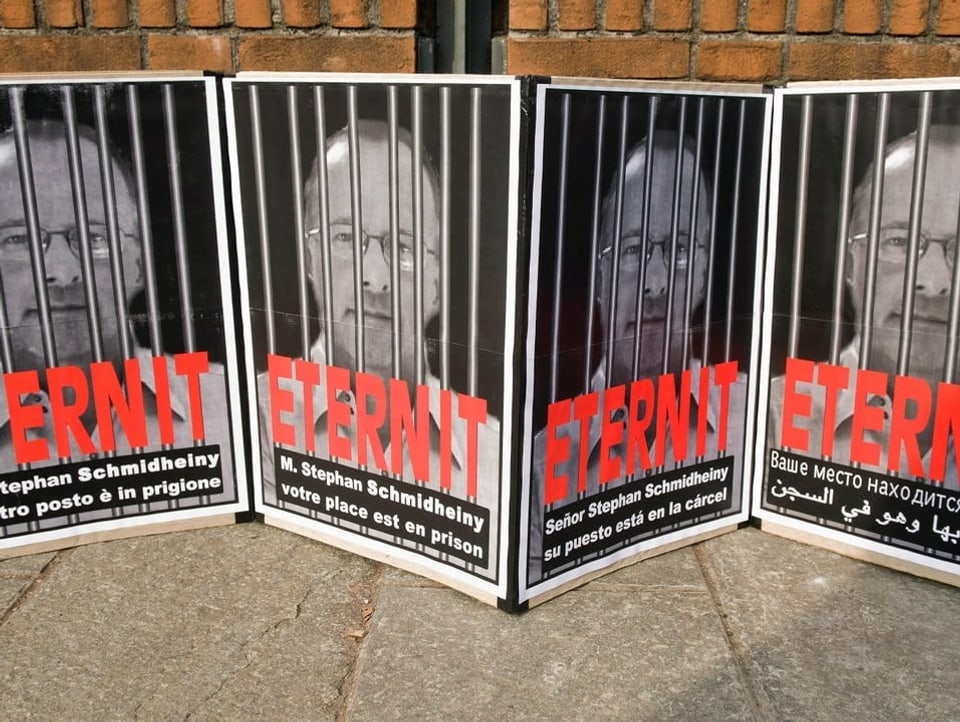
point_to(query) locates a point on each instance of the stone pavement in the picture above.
(249, 622)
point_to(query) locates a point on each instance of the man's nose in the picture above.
(933, 272)
(61, 265)
(376, 270)
(656, 281)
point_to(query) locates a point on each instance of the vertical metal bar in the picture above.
(356, 203)
(113, 227)
(594, 240)
(394, 189)
(953, 323)
(29, 197)
(670, 259)
(639, 299)
(559, 247)
(143, 214)
(800, 224)
(843, 226)
(476, 156)
(734, 231)
(263, 226)
(712, 249)
(299, 228)
(913, 233)
(615, 241)
(693, 228)
(416, 112)
(445, 197)
(323, 200)
(75, 165)
(873, 231)
(179, 223)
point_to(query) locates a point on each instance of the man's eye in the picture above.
(896, 242)
(16, 239)
(343, 237)
(632, 249)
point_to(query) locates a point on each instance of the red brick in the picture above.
(252, 14)
(739, 60)
(577, 14)
(766, 16)
(841, 61)
(908, 17)
(348, 13)
(948, 17)
(109, 13)
(64, 13)
(600, 57)
(528, 15)
(380, 54)
(623, 15)
(398, 13)
(158, 13)
(189, 52)
(718, 16)
(17, 14)
(814, 16)
(205, 13)
(672, 14)
(301, 13)
(57, 53)
(862, 17)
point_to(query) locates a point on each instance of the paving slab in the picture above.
(824, 637)
(675, 570)
(10, 591)
(241, 622)
(433, 654)
(30, 564)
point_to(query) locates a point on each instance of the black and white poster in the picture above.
(378, 218)
(119, 402)
(647, 216)
(859, 448)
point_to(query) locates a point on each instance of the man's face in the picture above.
(64, 279)
(938, 223)
(377, 284)
(656, 282)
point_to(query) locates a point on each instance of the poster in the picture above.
(858, 448)
(642, 330)
(119, 402)
(377, 217)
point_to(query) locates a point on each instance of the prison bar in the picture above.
(873, 230)
(445, 197)
(800, 223)
(356, 202)
(259, 175)
(473, 303)
(393, 183)
(693, 227)
(734, 231)
(670, 259)
(559, 245)
(82, 221)
(299, 231)
(595, 226)
(640, 297)
(323, 201)
(712, 242)
(843, 224)
(28, 193)
(617, 229)
(143, 213)
(913, 234)
(416, 118)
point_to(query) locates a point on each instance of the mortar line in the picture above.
(349, 683)
(27, 593)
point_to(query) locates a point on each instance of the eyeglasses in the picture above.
(894, 244)
(15, 241)
(341, 242)
(631, 248)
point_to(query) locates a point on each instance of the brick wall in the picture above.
(222, 35)
(750, 40)
(768, 40)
